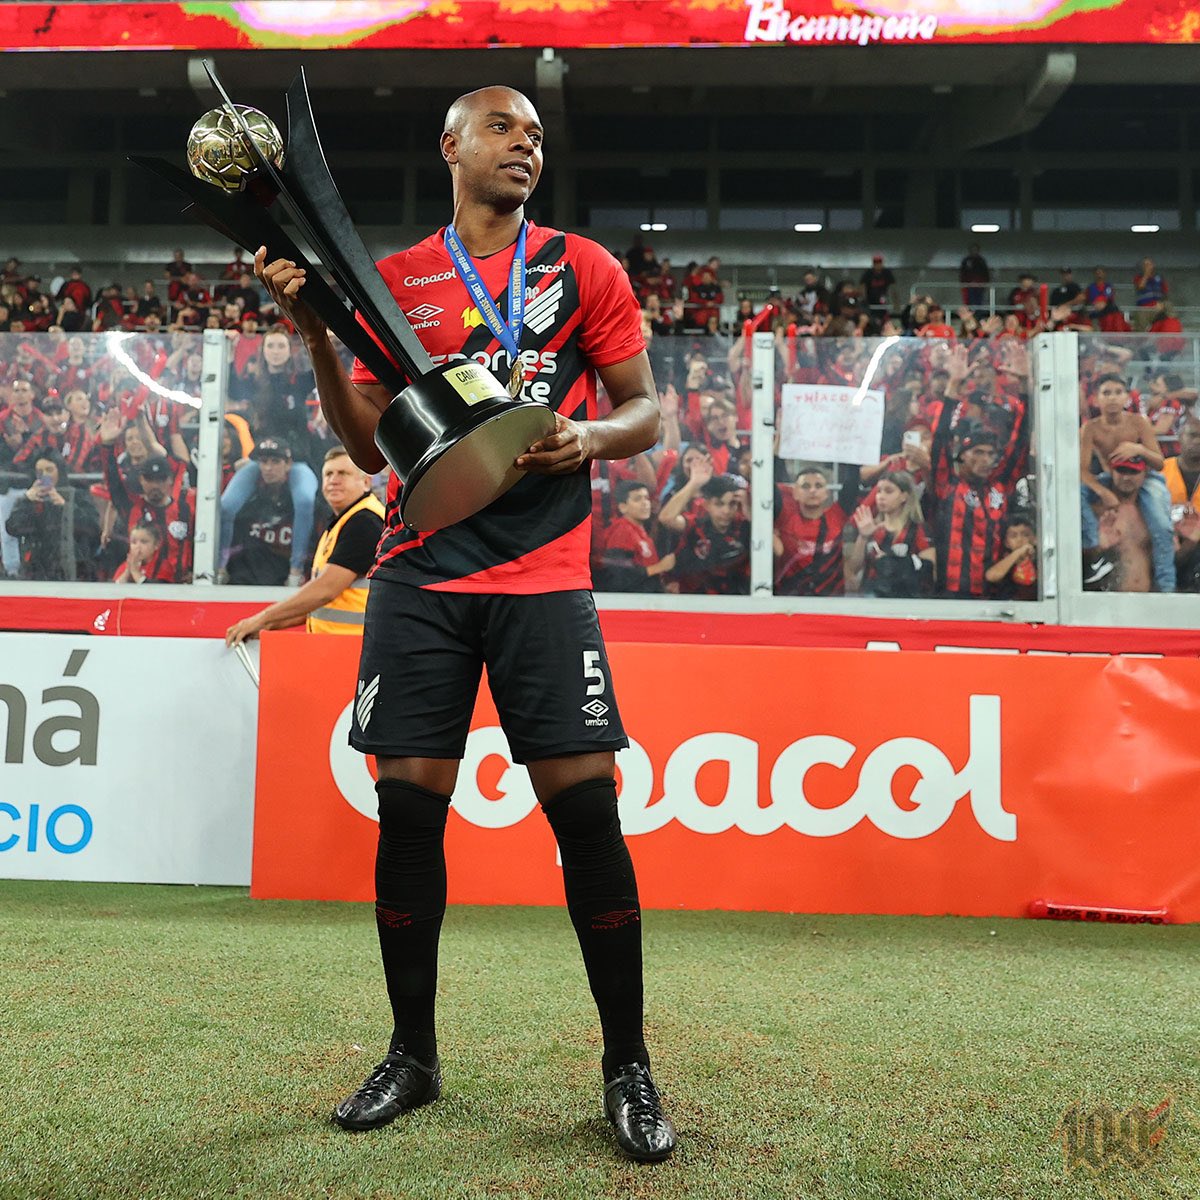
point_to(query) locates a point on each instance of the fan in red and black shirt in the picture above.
(713, 557)
(970, 518)
(153, 494)
(628, 560)
(809, 530)
(507, 589)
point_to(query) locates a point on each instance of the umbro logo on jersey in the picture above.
(540, 314)
(423, 316)
(365, 704)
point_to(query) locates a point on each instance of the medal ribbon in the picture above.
(508, 335)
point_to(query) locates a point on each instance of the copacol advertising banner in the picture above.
(130, 759)
(785, 779)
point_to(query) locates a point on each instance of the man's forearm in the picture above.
(631, 428)
(351, 414)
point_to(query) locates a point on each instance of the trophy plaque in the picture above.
(452, 432)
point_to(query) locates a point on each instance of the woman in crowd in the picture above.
(56, 525)
(892, 554)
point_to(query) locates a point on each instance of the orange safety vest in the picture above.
(345, 613)
(1176, 486)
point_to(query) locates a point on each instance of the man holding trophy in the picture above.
(508, 586)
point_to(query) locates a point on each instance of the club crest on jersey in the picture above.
(471, 318)
(540, 314)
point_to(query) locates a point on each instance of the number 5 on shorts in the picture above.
(593, 676)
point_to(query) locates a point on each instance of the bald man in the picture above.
(508, 588)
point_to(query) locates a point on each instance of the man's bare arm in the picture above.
(630, 428)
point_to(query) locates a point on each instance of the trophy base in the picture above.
(466, 471)
(452, 438)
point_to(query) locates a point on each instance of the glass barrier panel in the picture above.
(97, 433)
(273, 507)
(1139, 436)
(903, 468)
(677, 518)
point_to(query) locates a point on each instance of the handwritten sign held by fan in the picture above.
(831, 424)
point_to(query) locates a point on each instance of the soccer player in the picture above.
(509, 588)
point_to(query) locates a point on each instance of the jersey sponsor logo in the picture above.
(546, 268)
(938, 793)
(364, 705)
(426, 280)
(422, 316)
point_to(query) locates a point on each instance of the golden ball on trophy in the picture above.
(217, 151)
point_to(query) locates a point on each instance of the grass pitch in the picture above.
(189, 1042)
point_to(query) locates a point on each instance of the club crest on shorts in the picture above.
(365, 704)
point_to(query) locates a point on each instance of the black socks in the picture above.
(603, 902)
(410, 902)
(602, 899)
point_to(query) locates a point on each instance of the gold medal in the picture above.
(516, 379)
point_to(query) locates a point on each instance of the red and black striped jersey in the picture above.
(969, 531)
(580, 314)
(812, 563)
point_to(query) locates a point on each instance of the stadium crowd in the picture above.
(98, 437)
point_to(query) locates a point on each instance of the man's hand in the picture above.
(560, 453)
(1127, 450)
(1109, 501)
(1109, 535)
(238, 632)
(283, 281)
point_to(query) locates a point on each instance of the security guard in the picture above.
(335, 598)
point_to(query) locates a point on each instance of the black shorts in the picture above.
(423, 652)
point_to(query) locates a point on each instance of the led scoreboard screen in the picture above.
(478, 24)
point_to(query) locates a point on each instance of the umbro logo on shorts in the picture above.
(595, 708)
(365, 704)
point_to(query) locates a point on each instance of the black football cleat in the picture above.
(399, 1083)
(633, 1105)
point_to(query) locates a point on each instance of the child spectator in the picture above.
(145, 542)
(628, 560)
(891, 555)
(1014, 575)
(681, 496)
(1130, 436)
(713, 557)
(808, 537)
